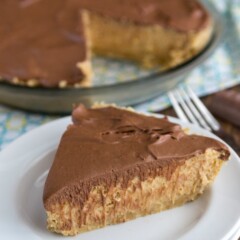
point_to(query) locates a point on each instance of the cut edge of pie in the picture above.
(148, 45)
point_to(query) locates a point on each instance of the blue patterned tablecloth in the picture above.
(221, 71)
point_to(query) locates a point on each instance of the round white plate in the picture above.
(24, 165)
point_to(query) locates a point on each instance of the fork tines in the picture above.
(190, 108)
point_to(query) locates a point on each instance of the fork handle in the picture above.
(229, 140)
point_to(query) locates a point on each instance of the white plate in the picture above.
(24, 165)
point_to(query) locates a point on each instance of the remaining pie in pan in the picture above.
(49, 43)
(114, 165)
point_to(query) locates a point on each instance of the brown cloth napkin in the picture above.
(226, 105)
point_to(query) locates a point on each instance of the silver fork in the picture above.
(190, 108)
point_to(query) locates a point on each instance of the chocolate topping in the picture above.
(44, 40)
(109, 145)
(41, 40)
(180, 15)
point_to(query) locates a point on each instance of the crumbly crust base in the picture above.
(85, 67)
(118, 204)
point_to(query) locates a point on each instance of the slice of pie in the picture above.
(114, 165)
(49, 43)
